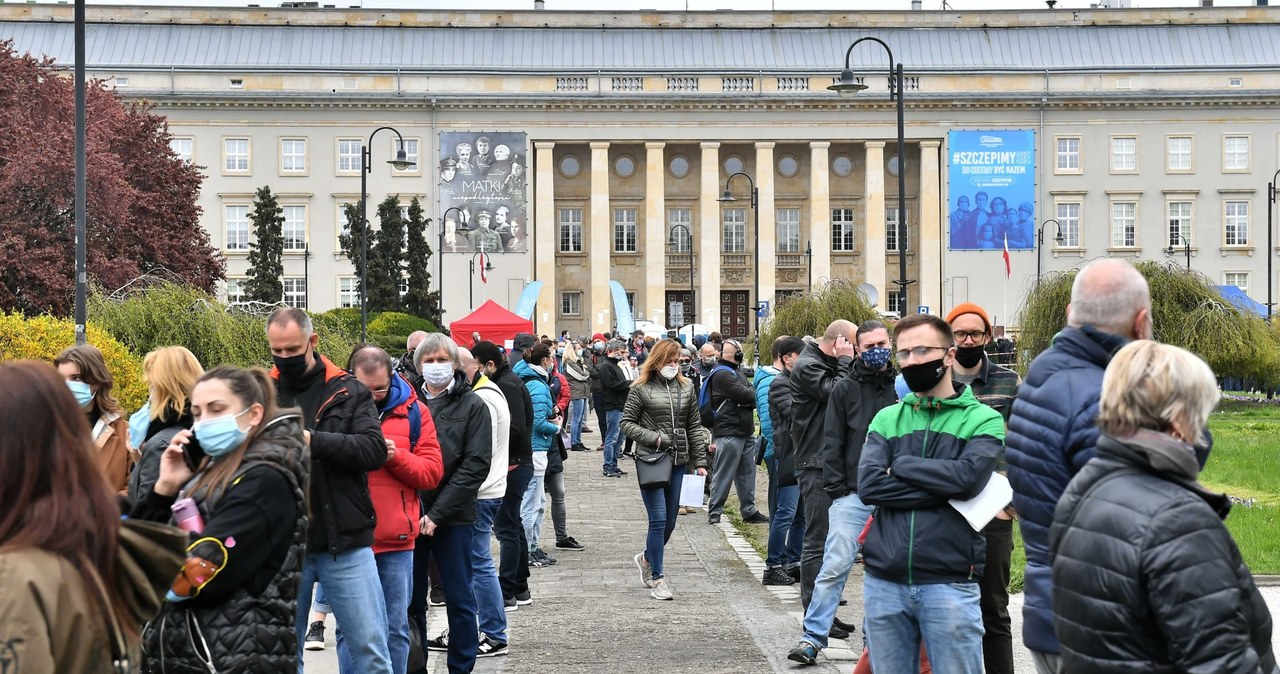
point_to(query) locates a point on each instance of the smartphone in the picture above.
(193, 453)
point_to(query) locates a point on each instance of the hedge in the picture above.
(44, 337)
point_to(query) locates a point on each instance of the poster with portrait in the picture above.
(992, 186)
(482, 191)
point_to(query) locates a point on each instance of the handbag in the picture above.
(654, 470)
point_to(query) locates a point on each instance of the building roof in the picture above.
(572, 48)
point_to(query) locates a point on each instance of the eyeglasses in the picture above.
(972, 336)
(918, 352)
(684, 361)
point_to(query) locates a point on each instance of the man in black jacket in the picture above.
(786, 525)
(734, 461)
(614, 386)
(345, 438)
(820, 365)
(513, 557)
(464, 429)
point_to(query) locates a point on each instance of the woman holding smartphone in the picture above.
(661, 416)
(231, 607)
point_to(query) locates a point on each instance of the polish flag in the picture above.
(1008, 270)
(484, 262)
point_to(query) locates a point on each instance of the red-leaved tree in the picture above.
(141, 198)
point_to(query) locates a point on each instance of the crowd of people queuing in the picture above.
(216, 528)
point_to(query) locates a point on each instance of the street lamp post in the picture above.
(1057, 238)
(1186, 247)
(471, 279)
(401, 162)
(688, 241)
(848, 86)
(727, 198)
(808, 263)
(82, 164)
(1271, 207)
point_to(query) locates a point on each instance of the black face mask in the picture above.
(291, 368)
(924, 376)
(968, 356)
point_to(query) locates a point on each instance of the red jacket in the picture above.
(562, 402)
(394, 487)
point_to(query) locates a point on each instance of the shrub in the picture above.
(811, 314)
(396, 323)
(44, 337)
(339, 331)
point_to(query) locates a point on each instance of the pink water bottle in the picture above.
(187, 515)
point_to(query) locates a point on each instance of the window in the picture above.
(571, 230)
(624, 230)
(183, 147)
(842, 235)
(237, 83)
(235, 290)
(570, 166)
(295, 227)
(679, 166)
(349, 155)
(1124, 223)
(1235, 153)
(891, 229)
(679, 229)
(410, 153)
(344, 225)
(788, 230)
(624, 166)
(1124, 154)
(1069, 219)
(1237, 223)
(403, 287)
(571, 304)
(1239, 279)
(347, 295)
(293, 155)
(788, 166)
(1067, 158)
(236, 225)
(122, 82)
(1178, 153)
(733, 235)
(842, 165)
(1179, 223)
(631, 302)
(733, 164)
(893, 301)
(295, 291)
(235, 155)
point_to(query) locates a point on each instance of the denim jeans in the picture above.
(555, 488)
(352, 589)
(846, 517)
(395, 572)
(785, 537)
(946, 615)
(663, 507)
(531, 507)
(452, 547)
(735, 466)
(577, 415)
(612, 438)
(513, 547)
(484, 577)
(815, 501)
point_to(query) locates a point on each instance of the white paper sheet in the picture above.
(691, 488)
(981, 509)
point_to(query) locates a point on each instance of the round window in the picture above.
(679, 166)
(624, 166)
(893, 165)
(733, 165)
(842, 165)
(569, 166)
(788, 166)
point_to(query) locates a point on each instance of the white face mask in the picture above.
(670, 371)
(437, 374)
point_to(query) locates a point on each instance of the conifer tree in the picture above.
(419, 301)
(386, 257)
(266, 253)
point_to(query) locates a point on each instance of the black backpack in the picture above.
(707, 413)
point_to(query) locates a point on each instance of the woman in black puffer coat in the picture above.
(1146, 579)
(170, 373)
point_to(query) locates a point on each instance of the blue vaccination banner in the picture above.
(991, 180)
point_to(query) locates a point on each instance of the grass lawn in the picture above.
(1245, 463)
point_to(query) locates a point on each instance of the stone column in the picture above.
(874, 250)
(600, 237)
(708, 299)
(820, 210)
(766, 252)
(930, 256)
(544, 242)
(655, 234)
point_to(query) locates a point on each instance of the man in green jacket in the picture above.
(923, 560)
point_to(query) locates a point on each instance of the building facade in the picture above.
(1155, 134)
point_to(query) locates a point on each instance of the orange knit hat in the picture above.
(970, 308)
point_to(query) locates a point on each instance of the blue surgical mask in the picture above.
(82, 392)
(875, 358)
(220, 435)
(138, 424)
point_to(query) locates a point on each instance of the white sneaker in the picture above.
(661, 591)
(646, 571)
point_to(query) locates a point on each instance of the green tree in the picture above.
(386, 257)
(350, 242)
(420, 301)
(266, 252)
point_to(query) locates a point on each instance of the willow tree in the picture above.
(811, 313)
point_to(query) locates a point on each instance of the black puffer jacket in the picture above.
(812, 379)
(780, 416)
(614, 385)
(854, 402)
(520, 447)
(733, 399)
(465, 432)
(160, 433)
(1146, 578)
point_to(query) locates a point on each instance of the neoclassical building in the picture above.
(1154, 136)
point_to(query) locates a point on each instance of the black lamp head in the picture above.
(848, 85)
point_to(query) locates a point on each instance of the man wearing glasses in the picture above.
(923, 560)
(996, 387)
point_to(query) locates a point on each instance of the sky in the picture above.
(699, 5)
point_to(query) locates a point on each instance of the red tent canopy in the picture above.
(492, 321)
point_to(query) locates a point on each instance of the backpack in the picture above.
(707, 414)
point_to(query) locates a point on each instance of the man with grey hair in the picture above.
(345, 437)
(614, 387)
(406, 367)
(1051, 429)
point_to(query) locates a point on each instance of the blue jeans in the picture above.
(663, 507)
(847, 516)
(451, 546)
(577, 415)
(352, 589)
(612, 438)
(786, 522)
(395, 571)
(484, 577)
(531, 509)
(947, 615)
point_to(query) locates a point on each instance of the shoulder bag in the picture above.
(654, 470)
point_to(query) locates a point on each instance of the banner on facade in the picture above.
(992, 187)
(482, 192)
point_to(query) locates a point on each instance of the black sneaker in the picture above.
(510, 604)
(490, 647)
(587, 429)
(804, 653)
(439, 644)
(837, 633)
(713, 519)
(794, 571)
(315, 637)
(524, 598)
(619, 472)
(570, 543)
(776, 576)
(756, 517)
(848, 627)
(577, 448)
(436, 595)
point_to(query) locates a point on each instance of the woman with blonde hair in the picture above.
(170, 373)
(661, 416)
(85, 370)
(579, 376)
(1145, 576)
